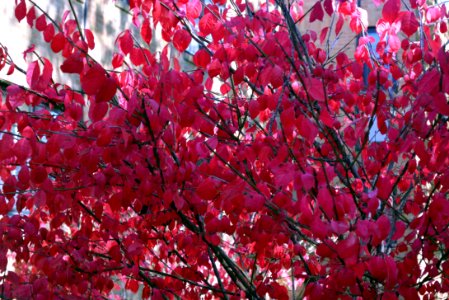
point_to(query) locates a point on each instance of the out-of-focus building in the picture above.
(106, 18)
(346, 40)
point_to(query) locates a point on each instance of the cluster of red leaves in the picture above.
(253, 175)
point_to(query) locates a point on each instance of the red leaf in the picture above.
(323, 34)
(46, 74)
(125, 42)
(349, 247)
(136, 56)
(429, 82)
(115, 202)
(179, 201)
(33, 73)
(132, 285)
(383, 269)
(24, 175)
(443, 27)
(376, 267)
(29, 50)
(4, 209)
(225, 88)
(214, 68)
(41, 23)
(31, 16)
(384, 187)
(328, 7)
(253, 109)
(93, 80)
(107, 90)
(296, 11)
(58, 42)
(254, 202)
(10, 187)
(117, 60)
(20, 10)
(357, 70)
(97, 111)
(394, 43)
(433, 14)
(194, 9)
(206, 190)
(446, 83)
(201, 58)
(115, 253)
(339, 24)
(22, 150)
(104, 137)
(146, 31)
(90, 38)
(207, 24)
(10, 69)
(23, 291)
(38, 174)
(441, 104)
(409, 23)
(49, 32)
(443, 60)
(181, 40)
(308, 180)
(278, 291)
(326, 202)
(383, 227)
(359, 20)
(414, 4)
(156, 12)
(390, 11)
(73, 64)
(317, 12)
(307, 128)
(276, 76)
(314, 88)
(339, 227)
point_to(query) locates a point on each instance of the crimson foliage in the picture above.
(252, 175)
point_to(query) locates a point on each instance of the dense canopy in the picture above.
(252, 172)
